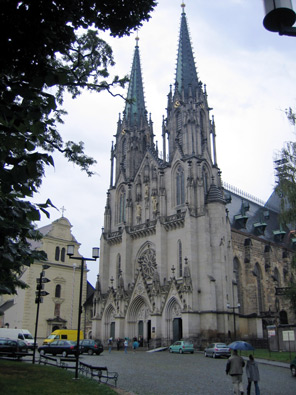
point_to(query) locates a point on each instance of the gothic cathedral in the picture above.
(166, 256)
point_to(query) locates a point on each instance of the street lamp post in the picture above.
(95, 255)
(39, 299)
(234, 313)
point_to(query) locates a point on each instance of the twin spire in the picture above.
(135, 114)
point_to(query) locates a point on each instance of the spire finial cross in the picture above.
(63, 210)
(137, 39)
(183, 7)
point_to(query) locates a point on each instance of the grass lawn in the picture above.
(24, 378)
(283, 356)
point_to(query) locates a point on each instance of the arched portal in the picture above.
(109, 322)
(174, 321)
(139, 318)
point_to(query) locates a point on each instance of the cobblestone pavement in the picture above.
(162, 373)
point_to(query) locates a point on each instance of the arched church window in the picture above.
(57, 293)
(180, 258)
(123, 149)
(283, 317)
(57, 253)
(180, 186)
(205, 181)
(179, 121)
(121, 217)
(237, 276)
(63, 254)
(276, 275)
(258, 274)
(118, 266)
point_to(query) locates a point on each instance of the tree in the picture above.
(46, 48)
(286, 189)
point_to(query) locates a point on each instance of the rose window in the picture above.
(147, 262)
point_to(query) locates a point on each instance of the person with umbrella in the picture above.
(234, 368)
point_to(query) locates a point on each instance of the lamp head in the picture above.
(95, 252)
(279, 14)
(70, 250)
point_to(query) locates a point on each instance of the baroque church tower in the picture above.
(166, 255)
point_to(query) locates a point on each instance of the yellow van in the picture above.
(63, 334)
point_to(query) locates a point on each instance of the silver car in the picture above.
(217, 350)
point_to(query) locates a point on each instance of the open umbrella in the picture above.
(240, 345)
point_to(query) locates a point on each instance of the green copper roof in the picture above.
(186, 71)
(135, 111)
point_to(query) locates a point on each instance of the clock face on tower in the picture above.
(177, 104)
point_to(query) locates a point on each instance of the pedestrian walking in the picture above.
(252, 375)
(234, 368)
(125, 345)
(118, 343)
(110, 344)
(135, 345)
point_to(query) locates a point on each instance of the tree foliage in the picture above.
(47, 46)
(286, 189)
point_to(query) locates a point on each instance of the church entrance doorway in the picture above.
(148, 332)
(177, 329)
(140, 329)
(112, 330)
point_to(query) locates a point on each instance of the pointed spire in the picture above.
(186, 75)
(135, 113)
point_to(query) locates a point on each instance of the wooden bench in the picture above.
(101, 372)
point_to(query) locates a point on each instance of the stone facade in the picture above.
(181, 255)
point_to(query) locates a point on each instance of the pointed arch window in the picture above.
(63, 254)
(237, 276)
(179, 122)
(123, 150)
(57, 253)
(276, 276)
(121, 217)
(180, 186)
(205, 181)
(180, 267)
(257, 272)
(118, 266)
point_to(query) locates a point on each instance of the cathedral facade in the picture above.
(170, 266)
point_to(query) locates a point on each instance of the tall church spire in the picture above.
(135, 114)
(186, 74)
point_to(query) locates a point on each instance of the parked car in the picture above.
(181, 347)
(293, 367)
(91, 346)
(10, 346)
(64, 347)
(217, 350)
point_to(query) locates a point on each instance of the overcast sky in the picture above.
(250, 75)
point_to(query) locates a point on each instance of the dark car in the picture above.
(91, 346)
(64, 347)
(11, 347)
(217, 350)
(293, 367)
